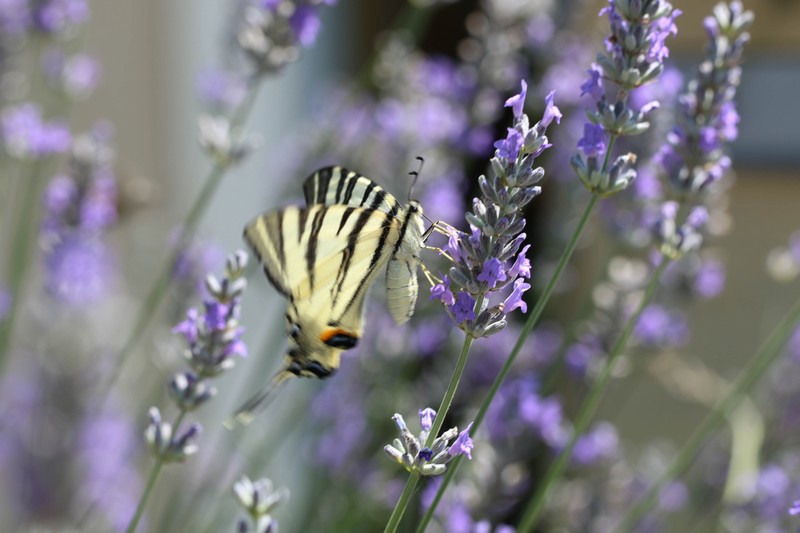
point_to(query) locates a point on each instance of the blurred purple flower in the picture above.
(79, 270)
(659, 327)
(673, 497)
(709, 280)
(107, 448)
(55, 16)
(601, 443)
(26, 135)
(544, 415)
(593, 142)
(306, 24)
(221, 88)
(14, 16)
(580, 355)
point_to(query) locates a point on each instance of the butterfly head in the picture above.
(315, 349)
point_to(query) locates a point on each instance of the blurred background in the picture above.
(321, 436)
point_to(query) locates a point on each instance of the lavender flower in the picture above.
(273, 33)
(675, 241)
(226, 144)
(213, 338)
(26, 135)
(488, 261)
(259, 499)
(694, 156)
(59, 16)
(410, 451)
(79, 205)
(76, 76)
(635, 52)
(221, 89)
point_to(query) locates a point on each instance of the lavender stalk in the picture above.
(213, 338)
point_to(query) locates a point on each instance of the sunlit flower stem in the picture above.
(159, 288)
(767, 354)
(151, 481)
(441, 413)
(589, 406)
(530, 323)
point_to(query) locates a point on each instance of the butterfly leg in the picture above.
(442, 228)
(433, 280)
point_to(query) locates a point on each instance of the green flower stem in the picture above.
(22, 250)
(444, 407)
(159, 288)
(402, 503)
(533, 318)
(767, 353)
(588, 407)
(151, 480)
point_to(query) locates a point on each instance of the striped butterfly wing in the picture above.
(323, 259)
(337, 185)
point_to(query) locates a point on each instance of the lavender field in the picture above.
(212, 217)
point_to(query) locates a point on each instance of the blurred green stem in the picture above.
(151, 479)
(526, 329)
(159, 288)
(441, 413)
(22, 250)
(589, 406)
(767, 353)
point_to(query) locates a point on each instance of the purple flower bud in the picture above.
(515, 300)
(593, 142)
(551, 112)
(517, 101)
(593, 86)
(522, 265)
(508, 148)
(306, 24)
(443, 293)
(426, 417)
(492, 272)
(464, 307)
(463, 444)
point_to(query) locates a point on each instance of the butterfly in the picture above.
(324, 257)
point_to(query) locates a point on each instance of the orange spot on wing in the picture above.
(328, 334)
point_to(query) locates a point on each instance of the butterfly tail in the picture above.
(258, 402)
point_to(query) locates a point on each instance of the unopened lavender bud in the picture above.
(476, 221)
(499, 169)
(183, 445)
(213, 286)
(478, 207)
(158, 433)
(529, 179)
(236, 263)
(487, 190)
(188, 391)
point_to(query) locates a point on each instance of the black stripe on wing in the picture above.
(338, 185)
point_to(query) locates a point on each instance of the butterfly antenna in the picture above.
(259, 402)
(416, 174)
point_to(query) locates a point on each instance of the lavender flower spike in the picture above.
(488, 260)
(410, 452)
(259, 498)
(694, 156)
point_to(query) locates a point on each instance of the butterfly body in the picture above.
(323, 259)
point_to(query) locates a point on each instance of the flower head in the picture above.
(413, 454)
